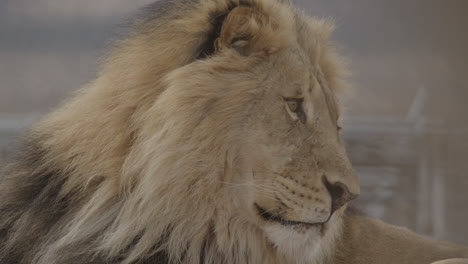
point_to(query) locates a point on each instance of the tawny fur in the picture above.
(161, 158)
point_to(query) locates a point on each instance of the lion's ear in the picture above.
(240, 31)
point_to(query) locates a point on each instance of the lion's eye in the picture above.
(294, 107)
(292, 104)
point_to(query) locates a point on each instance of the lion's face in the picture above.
(294, 163)
(264, 98)
(293, 168)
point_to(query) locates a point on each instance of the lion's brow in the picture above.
(330, 98)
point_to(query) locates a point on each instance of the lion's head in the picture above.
(210, 136)
(291, 175)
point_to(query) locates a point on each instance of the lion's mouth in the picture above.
(276, 218)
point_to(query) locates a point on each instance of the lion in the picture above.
(211, 135)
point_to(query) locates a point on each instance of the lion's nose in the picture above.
(339, 193)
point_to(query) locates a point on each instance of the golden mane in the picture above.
(111, 153)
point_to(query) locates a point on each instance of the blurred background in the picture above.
(405, 125)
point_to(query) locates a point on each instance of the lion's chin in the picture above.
(303, 243)
(298, 243)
